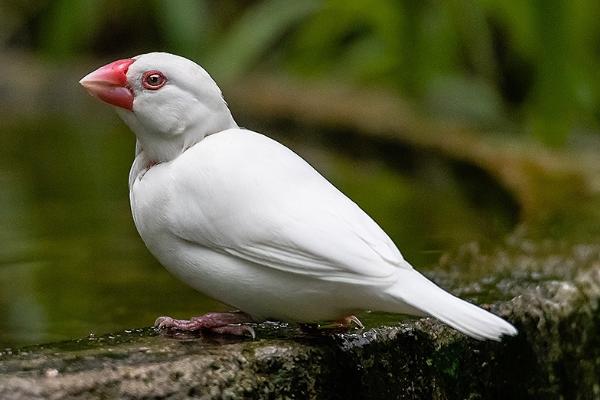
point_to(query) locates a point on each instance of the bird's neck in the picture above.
(140, 164)
(159, 147)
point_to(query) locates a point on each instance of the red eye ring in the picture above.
(153, 80)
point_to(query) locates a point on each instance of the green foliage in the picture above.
(187, 26)
(70, 25)
(254, 34)
(351, 39)
(440, 52)
(533, 61)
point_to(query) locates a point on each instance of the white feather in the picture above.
(416, 290)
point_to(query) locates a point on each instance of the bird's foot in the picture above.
(228, 323)
(347, 322)
(342, 325)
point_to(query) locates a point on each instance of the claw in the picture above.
(352, 318)
(163, 322)
(342, 325)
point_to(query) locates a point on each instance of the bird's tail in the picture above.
(416, 291)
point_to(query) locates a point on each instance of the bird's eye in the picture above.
(153, 80)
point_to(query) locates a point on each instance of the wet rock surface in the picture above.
(548, 289)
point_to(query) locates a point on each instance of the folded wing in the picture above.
(243, 194)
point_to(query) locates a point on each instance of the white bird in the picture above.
(245, 220)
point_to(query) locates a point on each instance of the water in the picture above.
(71, 262)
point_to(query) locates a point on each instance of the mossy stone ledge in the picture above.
(548, 289)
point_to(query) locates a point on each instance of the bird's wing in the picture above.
(243, 194)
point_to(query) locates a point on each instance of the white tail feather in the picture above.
(417, 291)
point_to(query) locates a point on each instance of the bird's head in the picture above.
(168, 101)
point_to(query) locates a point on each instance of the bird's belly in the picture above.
(263, 292)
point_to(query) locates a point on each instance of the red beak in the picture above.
(109, 83)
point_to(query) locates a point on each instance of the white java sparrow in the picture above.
(245, 220)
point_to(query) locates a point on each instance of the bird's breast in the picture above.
(149, 197)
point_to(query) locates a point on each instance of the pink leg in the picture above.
(229, 323)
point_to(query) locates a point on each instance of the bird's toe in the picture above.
(163, 322)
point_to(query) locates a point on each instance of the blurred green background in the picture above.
(71, 262)
(531, 62)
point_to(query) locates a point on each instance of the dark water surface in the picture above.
(71, 262)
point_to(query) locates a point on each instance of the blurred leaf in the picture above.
(584, 66)
(518, 19)
(13, 17)
(476, 37)
(464, 98)
(253, 34)
(71, 24)
(187, 25)
(553, 97)
(436, 47)
(358, 39)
